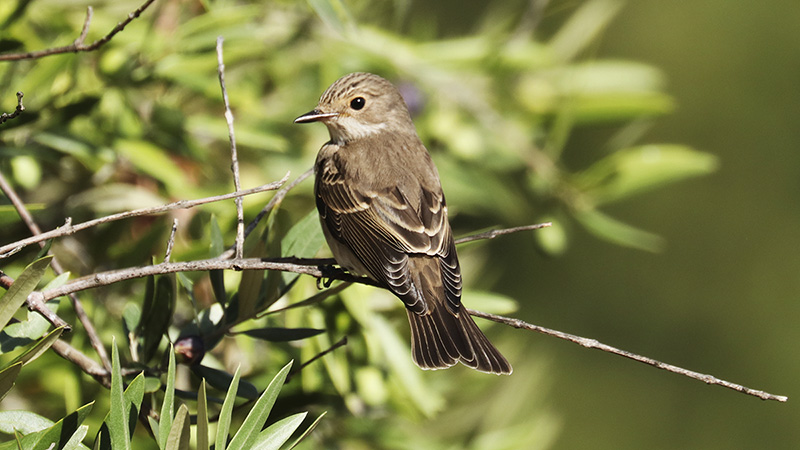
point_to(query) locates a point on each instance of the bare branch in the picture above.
(78, 45)
(17, 111)
(239, 246)
(340, 343)
(69, 229)
(593, 343)
(491, 234)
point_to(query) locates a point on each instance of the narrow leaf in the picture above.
(222, 380)
(308, 431)
(179, 435)
(62, 431)
(247, 434)
(167, 408)
(7, 378)
(117, 420)
(41, 346)
(282, 334)
(613, 230)
(279, 432)
(21, 289)
(202, 417)
(224, 422)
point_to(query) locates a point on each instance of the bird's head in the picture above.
(359, 105)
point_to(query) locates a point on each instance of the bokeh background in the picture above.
(723, 297)
(691, 259)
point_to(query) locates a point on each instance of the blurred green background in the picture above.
(723, 297)
(564, 110)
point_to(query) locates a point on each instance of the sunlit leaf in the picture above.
(25, 283)
(620, 233)
(278, 433)
(638, 169)
(247, 434)
(179, 435)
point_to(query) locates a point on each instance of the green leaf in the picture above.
(168, 406)
(76, 440)
(41, 346)
(638, 169)
(307, 431)
(282, 334)
(7, 378)
(278, 433)
(23, 422)
(224, 422)
(134, 395)
(217, 276)
(61, 432)
(223, 381)
(157, 310)
(21, 289)
(202, 417)
(618, 232)
(248, 433)
(303, 240)
(179, 435)
(117, 420)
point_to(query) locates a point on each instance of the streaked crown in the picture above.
(359, 105)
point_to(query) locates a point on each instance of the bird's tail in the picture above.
(439, 339)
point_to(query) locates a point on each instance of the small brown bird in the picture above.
(384, 216)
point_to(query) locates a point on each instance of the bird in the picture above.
(384, 216)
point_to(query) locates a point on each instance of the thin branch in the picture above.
(78, 45)
(491, 234)
(69, 229)
(275, 201)
(17, 111)
(342, 342)
(593, 343)
(234, 155)
(171, 241)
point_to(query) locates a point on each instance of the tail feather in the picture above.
(440, 339)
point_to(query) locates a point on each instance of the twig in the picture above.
(171, 241)
(69, 229)
(491, 234)
(342, 342)
(17, 111)
(593, 343)
(276, 200)
(78, 45)
(234, 156)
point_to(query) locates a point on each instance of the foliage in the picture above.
(138, 123)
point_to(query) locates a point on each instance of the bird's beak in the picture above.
(314, 116)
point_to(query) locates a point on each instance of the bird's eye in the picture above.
(357, 103)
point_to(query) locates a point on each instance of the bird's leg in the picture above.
(330, 273)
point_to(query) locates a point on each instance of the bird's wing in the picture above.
(382, 228)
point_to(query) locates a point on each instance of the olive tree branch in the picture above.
(593, 343)
(78, 45)
(69, 229)
(239, 246)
